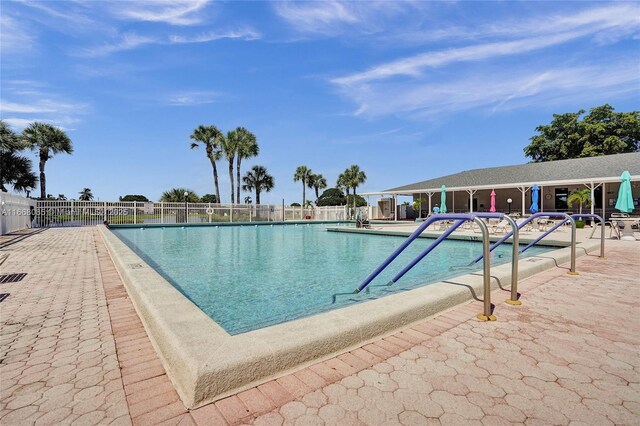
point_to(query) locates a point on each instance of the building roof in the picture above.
(599, 169)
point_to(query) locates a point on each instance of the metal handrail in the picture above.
(601, 219)
(514, 263)
(459, 218)
(572, 270)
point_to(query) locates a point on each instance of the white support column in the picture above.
(471, 193)
(541, 198)
(430, 194)
(523, 190)
(604, 199)
(395, 207)
(453, 201)
(592, 186)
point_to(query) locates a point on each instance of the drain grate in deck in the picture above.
(11, 278)
(3, 296)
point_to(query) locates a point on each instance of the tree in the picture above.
(230, 144)
(295, 205)
(85, 195)
(343, 183)
(132, 197)
(15, 169)
(258, 179)
(247, 148)
(317, 182)
(176, 195)
(211, 138)
(355, 177)
(601, 132)
(302, 174)
(62, 197)
(580, 196)
(332, 197)
(351, 178)
(356, 200)
(209, 198)
(47, 140)
(248, 200)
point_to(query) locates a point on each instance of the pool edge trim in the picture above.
(205, 363)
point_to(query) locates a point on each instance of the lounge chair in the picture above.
(526, 228)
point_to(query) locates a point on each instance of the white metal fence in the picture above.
(87, 213)
(15, 212)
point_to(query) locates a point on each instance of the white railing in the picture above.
(15, 212)
(50, 213)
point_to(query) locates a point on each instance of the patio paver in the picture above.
(569, 354)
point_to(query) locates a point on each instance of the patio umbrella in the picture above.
(443, 199)
(492, 209)
(534, 199)
(625, 199)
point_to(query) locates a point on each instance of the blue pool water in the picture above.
(249, 277)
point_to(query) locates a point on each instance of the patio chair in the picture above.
(526, 228)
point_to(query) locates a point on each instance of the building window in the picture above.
(561, 198)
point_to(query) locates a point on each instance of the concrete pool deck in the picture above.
(573, 360)
(205, 363)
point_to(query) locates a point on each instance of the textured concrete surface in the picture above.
(570, 354)
(206, 364)
(58, 362)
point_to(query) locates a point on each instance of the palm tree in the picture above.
(9, 141)
(15, 169)
(247, 148)
(355, 177)
(248, 200)
(343, 182)
(230, 145)
(62, 197)
(580, 196)
(85, 195)
(176, 195)
(210, 137)
(258, 179)
(303, 173)
(317, 182)
(47, 140)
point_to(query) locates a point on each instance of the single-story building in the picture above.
(470, 190)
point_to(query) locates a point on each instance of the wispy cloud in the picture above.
(244, 34)
(318, 17)
(174, 12)
(38, 104)
(496, 91)
(14, 36)
(191, 98)
(21, 123)
(335, 17)
(414, 65)
(126, 41)
(130, 41)
(611, 22)
(482, 75)
(601, 22)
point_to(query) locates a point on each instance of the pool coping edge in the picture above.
(206, 364)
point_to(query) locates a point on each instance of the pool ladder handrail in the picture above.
(514, 259)
(564, 216)
(459, 219)
(602, 237)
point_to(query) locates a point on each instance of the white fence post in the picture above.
(161, 212)
(135, 213)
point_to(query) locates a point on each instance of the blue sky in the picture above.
(407, 90)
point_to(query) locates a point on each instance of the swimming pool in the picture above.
(250, 277)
